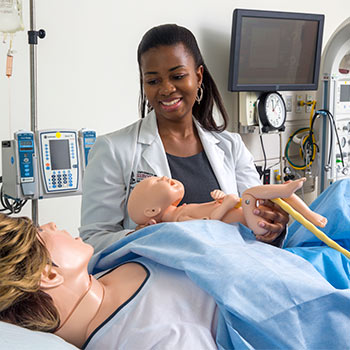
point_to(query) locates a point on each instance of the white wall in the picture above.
(87, 69)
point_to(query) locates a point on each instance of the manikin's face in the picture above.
(163, 187)
(65, 251)
(170, 81)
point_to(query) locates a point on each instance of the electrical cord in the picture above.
(309, 147)
(264, 153)
(334, 130)
(13, 206)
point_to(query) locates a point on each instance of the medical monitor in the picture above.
(273, 51)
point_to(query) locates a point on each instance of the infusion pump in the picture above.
(49, 163)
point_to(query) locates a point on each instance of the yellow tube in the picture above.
(311, 227)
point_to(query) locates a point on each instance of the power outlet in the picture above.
(247, 108)
(289, 103)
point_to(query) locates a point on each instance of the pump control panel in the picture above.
(26, 152)
(59, 160)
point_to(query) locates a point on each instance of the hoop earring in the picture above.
(148, 105)
(199, 95)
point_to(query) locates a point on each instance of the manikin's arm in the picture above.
(228, 202)
(197, 209)
(187, 218)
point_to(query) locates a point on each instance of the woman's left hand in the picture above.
(275, 220)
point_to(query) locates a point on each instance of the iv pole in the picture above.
(33, 41)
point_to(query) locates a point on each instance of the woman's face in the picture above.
(65, 251)
(170, 81)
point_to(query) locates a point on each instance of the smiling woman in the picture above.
(177, 137)
(171, 80)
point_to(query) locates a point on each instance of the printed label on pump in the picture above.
(87, 139)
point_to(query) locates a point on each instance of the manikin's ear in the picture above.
(152, 212)
(50, 278)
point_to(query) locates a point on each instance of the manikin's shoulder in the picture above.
(124, 275)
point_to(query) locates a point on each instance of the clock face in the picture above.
(275, 110)
(272, 111)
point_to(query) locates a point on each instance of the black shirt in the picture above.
(196, 175)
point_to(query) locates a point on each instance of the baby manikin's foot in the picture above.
(322, 221)
(317, 219)
(296, 184)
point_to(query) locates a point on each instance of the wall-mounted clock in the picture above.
(272, 111)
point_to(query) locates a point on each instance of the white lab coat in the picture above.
(120, 158)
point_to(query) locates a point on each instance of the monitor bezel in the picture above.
(238, 14)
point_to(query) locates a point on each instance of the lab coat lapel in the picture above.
(153, 151)
(216, 158)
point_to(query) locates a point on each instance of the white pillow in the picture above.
(17, 338)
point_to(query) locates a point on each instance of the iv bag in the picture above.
(11, 16)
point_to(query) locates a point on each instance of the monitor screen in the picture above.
(344, 93)
(59, 154)
(273, 51)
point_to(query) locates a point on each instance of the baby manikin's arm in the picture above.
(186, 218)
(228, 203)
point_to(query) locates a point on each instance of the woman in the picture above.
(178, 138)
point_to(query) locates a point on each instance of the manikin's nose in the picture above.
(50, 225)
(165, 178)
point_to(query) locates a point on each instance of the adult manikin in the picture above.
(82, 301)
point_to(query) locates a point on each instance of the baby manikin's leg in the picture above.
(275, 191)
(300, 206)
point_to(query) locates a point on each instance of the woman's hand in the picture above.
(275, 220)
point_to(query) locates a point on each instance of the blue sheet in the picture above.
(269, 298)
(334, 204)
